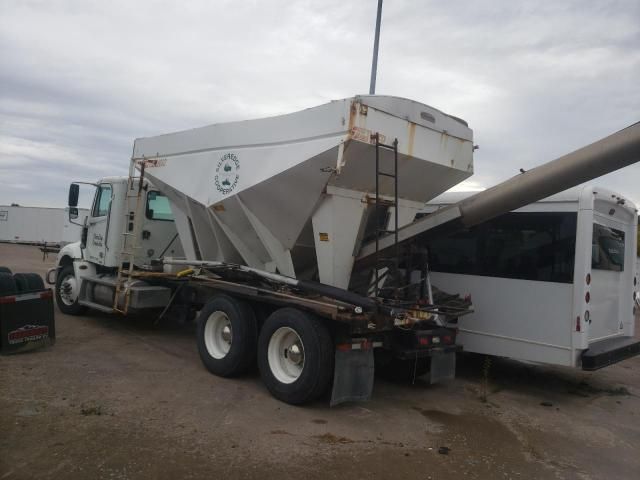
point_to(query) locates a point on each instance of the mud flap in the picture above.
(443, 367)
(26, 321)
(353, 375)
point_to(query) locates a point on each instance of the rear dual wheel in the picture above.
(295, 351)
(295, 356)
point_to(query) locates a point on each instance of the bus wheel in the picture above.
(295, 356)
(227, 336)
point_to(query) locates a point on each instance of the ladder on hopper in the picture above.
(130, 236)
(391, 264)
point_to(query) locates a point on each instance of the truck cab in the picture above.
(111, 217)
(108, 231)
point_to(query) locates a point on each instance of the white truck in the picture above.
(256, 225)
(287, 236)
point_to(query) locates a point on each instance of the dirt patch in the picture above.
(585, 389)
(332, 439)
(91, 409)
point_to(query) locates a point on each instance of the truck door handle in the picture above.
(146, 234)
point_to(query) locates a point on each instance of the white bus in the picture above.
(553, 282)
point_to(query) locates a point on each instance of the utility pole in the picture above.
(376, 43)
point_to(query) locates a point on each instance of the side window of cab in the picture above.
(158, 207)
(103, 201)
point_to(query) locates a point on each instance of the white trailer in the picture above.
(37, 225)
(552, 282)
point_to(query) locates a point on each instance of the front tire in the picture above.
(227, 334)
(295, 356)
(67, 289)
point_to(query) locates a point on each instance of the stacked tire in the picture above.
(11, 284)
(7, 283)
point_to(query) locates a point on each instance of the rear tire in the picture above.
(67, 292)
(7, 284)
(295, 356)
(227, 335)
(5, 270)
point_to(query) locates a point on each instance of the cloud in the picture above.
(82, 79)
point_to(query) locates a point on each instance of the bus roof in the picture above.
(570, 195)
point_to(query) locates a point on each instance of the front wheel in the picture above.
(295, 356)
(67, 289)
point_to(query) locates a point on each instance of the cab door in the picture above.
(98, 224)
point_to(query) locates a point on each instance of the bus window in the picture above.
(607, 248)
(455, 254)
(528, 246)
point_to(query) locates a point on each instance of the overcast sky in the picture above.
(79, 80)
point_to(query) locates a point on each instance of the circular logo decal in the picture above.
(227, 175)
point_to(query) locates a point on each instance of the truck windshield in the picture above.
(158, 207)
(607, 248)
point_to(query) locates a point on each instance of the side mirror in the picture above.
(73, 213)
(74, 193)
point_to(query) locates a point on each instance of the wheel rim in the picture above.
(286, 355)
(218, 334)
(68, 290)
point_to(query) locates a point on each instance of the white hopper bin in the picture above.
(293, 193)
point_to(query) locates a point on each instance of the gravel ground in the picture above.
(118, 398)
